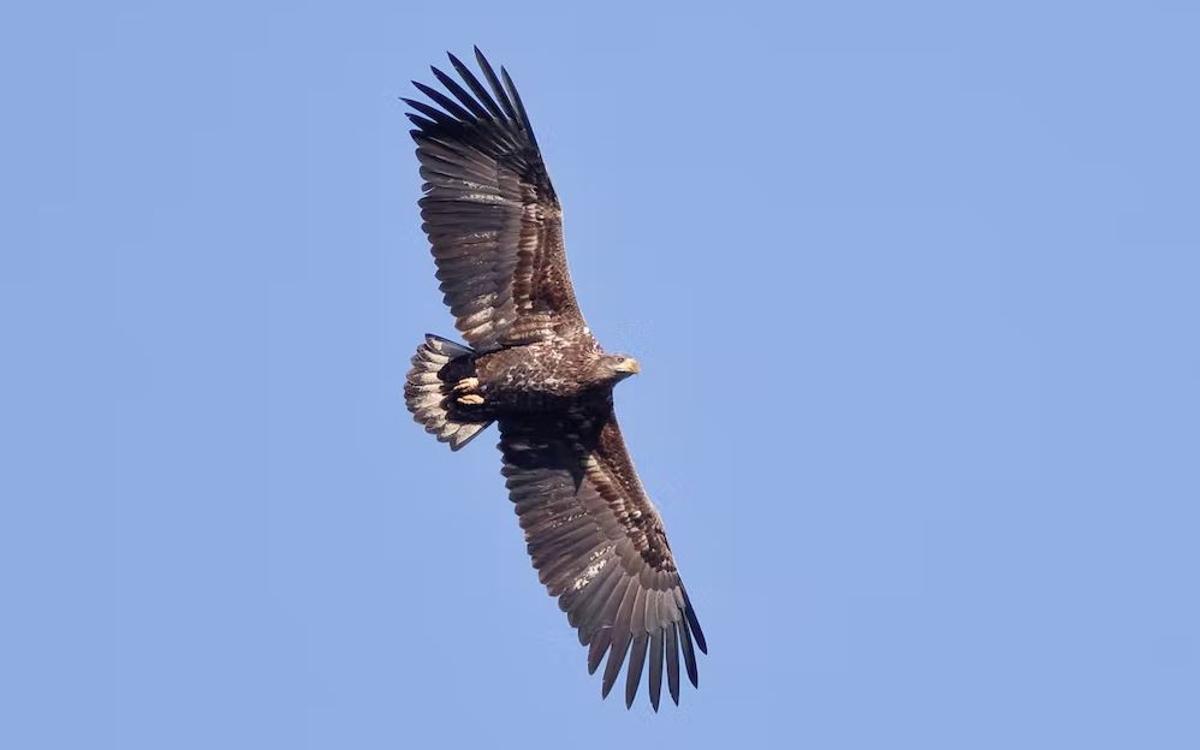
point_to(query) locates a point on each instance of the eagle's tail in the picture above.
(437, 366)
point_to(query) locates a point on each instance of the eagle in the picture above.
(531, 364)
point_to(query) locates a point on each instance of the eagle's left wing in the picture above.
(493, 219)
(599, 546)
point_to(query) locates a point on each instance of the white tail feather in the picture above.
(426, 394)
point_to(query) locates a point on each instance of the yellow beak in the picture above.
(629, 365)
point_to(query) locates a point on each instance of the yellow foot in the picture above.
(471, 399)
(466, 384)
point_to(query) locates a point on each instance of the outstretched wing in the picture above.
(490, 212)
(599, 546)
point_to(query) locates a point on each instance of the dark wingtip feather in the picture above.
(633, 672)
(689, 655)
(516, 97)
(444, 102)
(690, 612)
(490, 74)
(434, 114)
(616, 657)
(620, 635)
(420, 122)
(597, 650)
(656, 667)
(477, 88)
(673, 662)
(461, 95)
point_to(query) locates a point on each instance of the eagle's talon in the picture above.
(466, 384)
(471, 399)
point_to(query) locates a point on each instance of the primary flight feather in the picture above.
(532, 365)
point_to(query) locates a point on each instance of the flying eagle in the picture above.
(532, 365)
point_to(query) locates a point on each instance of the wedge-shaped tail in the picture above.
(437, 366)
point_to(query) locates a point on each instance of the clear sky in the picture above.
(914, 290)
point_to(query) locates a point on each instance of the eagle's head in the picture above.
(613, 368)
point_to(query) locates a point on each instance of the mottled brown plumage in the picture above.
(494, 225)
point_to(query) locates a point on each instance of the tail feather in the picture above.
(427, 392)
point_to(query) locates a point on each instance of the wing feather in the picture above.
(597, 648)
(494, 82)
(490, 211)
(620, 638)
(656, 666)
(633, 673)
(673, 661)
(599, 545)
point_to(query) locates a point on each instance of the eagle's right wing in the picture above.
(490, 212)
(599, 545)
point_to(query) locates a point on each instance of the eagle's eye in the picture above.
(628, 365)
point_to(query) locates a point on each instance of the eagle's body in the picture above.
(533, 366)
(543, 376)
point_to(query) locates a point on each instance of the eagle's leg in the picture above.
(465, 392)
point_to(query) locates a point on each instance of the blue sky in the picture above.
(914, 290)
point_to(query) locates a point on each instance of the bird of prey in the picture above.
(531, 365)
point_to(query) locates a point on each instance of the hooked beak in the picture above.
(629, 366)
